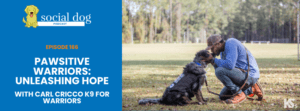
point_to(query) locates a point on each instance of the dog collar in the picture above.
(198, 63)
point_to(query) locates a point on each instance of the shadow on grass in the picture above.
(262, 62)
(278, 63)
(160, 80)
(155, 62)
(163, 75)
(266, 72)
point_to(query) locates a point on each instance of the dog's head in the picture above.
(198, 57)
(197, 66)
(31, 10)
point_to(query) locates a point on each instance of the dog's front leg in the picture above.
(199, 93)
(199, 97)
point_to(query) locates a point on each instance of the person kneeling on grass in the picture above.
(232, 68)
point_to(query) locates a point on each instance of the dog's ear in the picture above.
(26, 10)
(36, 10)
(194, 68)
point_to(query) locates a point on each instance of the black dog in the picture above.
(188, 84)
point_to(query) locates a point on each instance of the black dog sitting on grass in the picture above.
(186, 86)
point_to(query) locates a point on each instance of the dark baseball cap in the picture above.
(212, 40)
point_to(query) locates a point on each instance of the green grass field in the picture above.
(147, 69)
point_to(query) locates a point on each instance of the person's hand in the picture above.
(207, 59)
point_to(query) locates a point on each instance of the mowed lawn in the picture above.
(147, 69)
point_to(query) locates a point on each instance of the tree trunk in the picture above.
(160, 21)
(274, 33)
(282, 33)
(178, 21)
(144, 24)
(246, 35)
(155, 26)
(187, 28)
(269, 30)
(150, 27)
(290, 32)
(171, 37)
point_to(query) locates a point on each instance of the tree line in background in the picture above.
(168, 21)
